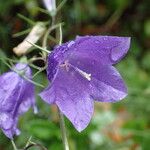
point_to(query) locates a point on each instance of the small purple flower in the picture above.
(81, 71)
(16, 97)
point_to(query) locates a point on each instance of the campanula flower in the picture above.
(16, 97)
(81, 72)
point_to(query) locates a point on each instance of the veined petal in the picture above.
(6, 121)
(28, 98)
(103, 49)
(107, 84)
(16, 97)
(13, 130)
(71, 93)
(48, 95)
(8, 124)
(8, 90)
(55, 58)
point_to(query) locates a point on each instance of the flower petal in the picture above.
(108, 85)
(71, 94)
(8, 124)
(48, 95)
(55, 58)
(103, 49)
(16, 97)
(27, 97)
(8, 90)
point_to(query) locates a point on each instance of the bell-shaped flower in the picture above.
(16, 97)
(81, 72)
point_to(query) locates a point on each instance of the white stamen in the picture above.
(84, 74)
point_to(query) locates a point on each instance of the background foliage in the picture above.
(120, 126)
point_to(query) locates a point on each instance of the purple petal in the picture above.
(48, 95)
(28, 98)
(8, 124)
(24, 69)
(107, 84)
(103, 49)
(16, 97)
(71, 94)
(12, 131)
(8, 90)
(26, 91)
(6, 121)
(55, 58)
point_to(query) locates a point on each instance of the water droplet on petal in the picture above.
(5, 121)
(70, 43)
(104, 38)
(97, 42)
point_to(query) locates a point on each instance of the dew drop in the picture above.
(104, 38)
(5, 121)
(70, 43)
(97, 42)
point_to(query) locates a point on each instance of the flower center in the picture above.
(65, 65)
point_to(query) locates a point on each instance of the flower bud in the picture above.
(50, 6)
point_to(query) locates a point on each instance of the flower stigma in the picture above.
(84, 74)
(66, 65)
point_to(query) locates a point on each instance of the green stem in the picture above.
(41, 147)
(60, 34)
(63, 131)
(41, 48)
(14, 145)
(45, 38)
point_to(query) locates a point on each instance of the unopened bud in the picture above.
(35, 34)
(50, 6)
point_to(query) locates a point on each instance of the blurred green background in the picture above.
(119, 126)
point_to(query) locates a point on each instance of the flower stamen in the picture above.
(84, 74)
(65, 65)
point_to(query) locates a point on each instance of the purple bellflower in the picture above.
(81, 71)
(16, 97)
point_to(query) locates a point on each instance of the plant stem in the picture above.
(41, 147)
(63, 131)
(14, 145)
(45, 38)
